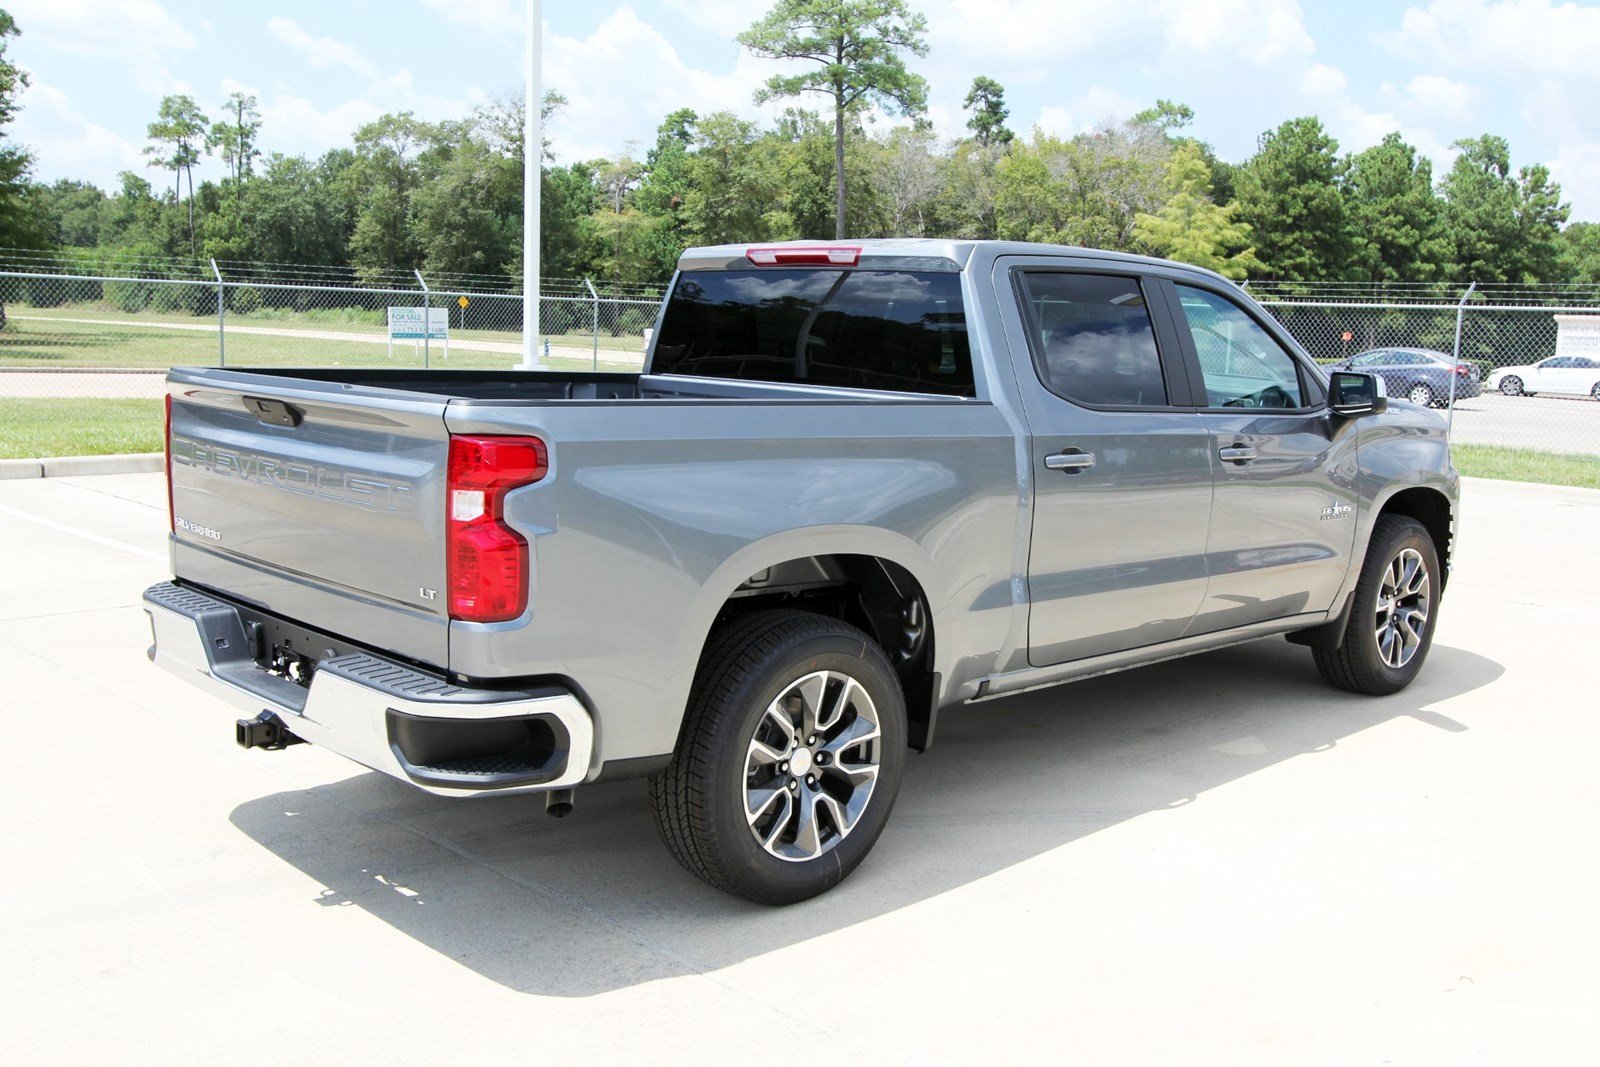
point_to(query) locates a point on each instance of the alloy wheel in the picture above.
(812, 765)
(1403, 603)
(1511, 385)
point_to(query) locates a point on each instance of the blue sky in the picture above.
(1526, 69)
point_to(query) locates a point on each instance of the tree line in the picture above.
(446, 196)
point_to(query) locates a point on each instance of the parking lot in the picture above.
(1217, 859)
(1542, 423)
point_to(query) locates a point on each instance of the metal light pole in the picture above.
(532, 158)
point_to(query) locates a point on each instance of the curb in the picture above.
(72, 466)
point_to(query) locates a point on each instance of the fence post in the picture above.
(426, 331)
(222, 346)
(1461, 308)
(594, 296)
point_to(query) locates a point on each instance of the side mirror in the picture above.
(1352, 394)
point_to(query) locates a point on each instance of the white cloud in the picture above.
(1048, 31)
(1440, 99)
(722, 17)
(631, 76)
(298, 124)
(1577, 168)
(92, 27)
(66, 142)
(1322, 80)
(494, 17)
(1257, 31)
(321, 52)
(1057, 121)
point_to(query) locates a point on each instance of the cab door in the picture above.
(1122, 474)
(1283, 518)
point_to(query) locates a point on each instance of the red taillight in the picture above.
(1461, 369)
(486, 560)
(166, 448)
(818, 256)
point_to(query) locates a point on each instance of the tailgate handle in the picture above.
(274, 412)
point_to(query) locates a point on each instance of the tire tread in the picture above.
(678, 794)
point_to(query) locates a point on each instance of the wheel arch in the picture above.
(873, 579)
(1433, 509)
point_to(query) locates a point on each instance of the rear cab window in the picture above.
(897, 330)
(1093, 339)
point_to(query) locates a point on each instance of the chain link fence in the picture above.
(68, 333)
(1529, 356)
(108, 327)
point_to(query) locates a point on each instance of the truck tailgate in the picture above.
(315, 500)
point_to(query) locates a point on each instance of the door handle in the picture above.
(1237, 453)
(1071, 462)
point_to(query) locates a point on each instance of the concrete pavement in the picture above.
(1215, 860)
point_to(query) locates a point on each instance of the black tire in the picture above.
(1511, 385)
(1357, 665)
(1423, 390)
(1594, 391)
(699, 799)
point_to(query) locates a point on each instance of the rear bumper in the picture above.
(446, 739)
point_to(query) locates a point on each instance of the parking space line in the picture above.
(85, 534)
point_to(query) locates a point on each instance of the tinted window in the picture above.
(1368, 359)
(1242, 365)
(901, 330)
(1094, 340)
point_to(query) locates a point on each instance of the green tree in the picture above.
(72, 212)
(1394, 213)
(1502, 227)
(177, 143)
(1289, 194)
(857, 45)
(1166, 116)
(234, 138)
(1580, 253)
(387, 170)
(727, 188)
(663, 189)
(1191, 228)
(296, 215)
(21, 222)
(987, 102)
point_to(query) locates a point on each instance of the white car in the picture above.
(1558, 374)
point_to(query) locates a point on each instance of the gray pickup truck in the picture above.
(855, 484)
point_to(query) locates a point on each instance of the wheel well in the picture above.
(877, 595)
(1431, 508)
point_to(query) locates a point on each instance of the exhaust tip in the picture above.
(558, 803)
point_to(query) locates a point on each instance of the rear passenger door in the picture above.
(1283, 517)
(1121, 474)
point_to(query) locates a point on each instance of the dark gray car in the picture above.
(856, 484)
(1421, 375)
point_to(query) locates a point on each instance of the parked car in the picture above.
(1421, 375)
(1579, 375)
(855, 484)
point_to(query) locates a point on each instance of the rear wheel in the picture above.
(1396, 608)
(1594, 391)
(1511, 385)
(1421, 395)
(789, 759)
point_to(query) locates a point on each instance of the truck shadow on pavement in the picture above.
(594, 903)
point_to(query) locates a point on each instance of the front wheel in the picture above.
(789, 759)
(1594, 391)
(1396, 608)
(1511, 385)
